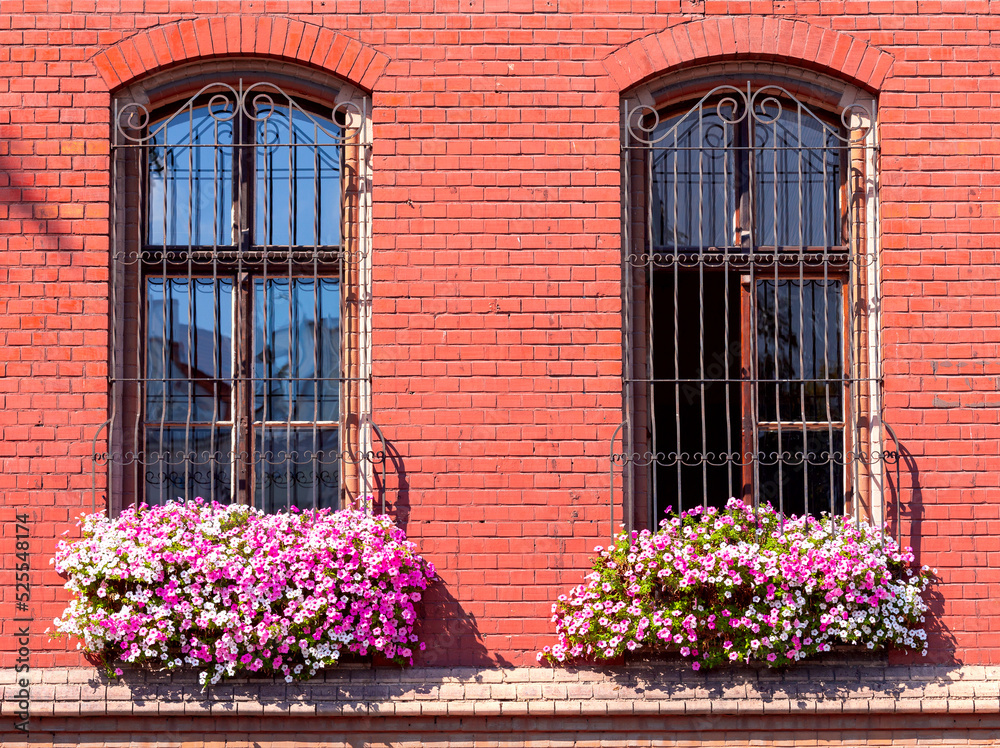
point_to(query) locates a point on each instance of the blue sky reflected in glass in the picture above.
(297, 345)
(298, 180)
(190, 194)
(296, 188)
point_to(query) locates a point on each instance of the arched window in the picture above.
(749, 281)
(239, 369)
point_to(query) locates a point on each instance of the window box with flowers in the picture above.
(743, 585)
(230, 590)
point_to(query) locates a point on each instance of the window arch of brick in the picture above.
(184, 42)
(797, 43)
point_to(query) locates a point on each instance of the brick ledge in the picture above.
(663, 689)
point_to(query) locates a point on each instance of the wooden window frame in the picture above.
(243, 264)
(855, 200)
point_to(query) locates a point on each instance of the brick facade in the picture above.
(497, 307)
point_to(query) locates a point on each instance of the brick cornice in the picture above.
(161, 47)
(777, 39)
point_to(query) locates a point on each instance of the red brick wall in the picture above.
(496, 241)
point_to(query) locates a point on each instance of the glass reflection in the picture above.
(816, 461)
(797, 165)
(188, 349)
(297, 467)
(297, 344)
(298, 180)
(187, 463)
(190, 192)
(800, 343)
(694, 180)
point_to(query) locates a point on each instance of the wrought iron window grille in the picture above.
(750, 293)
(240, 301)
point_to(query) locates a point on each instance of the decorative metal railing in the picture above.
(240, 303)
(751, 300)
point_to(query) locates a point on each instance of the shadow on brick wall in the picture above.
(451, 633)
(942, 643)
(399, 508)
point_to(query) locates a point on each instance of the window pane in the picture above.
(696, 398)
(190, 191)
(297, 345)
(188, 349)
(298, 179)
(797, 168)
(800, 349)
(782, 482)
(187, 463)
(694, 180)
(297, 468)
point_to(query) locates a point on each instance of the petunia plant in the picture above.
(744, 585)
(229, 590)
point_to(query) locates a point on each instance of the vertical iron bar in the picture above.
(803, 192)
(777, 337)
(649, 159)
(167, 295)
(750, 163)
(213, 460)
(245, 456)
(344, 381)
(677, 372)
(726, 235)
(828, 241)
(192, 310)
(262, 158)
(317, 182)
(290, 456)
(140, 453)
(851, 404)
(702, 251)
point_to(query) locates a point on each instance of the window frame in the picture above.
(130, 268)
(857, 268)
(754, 425)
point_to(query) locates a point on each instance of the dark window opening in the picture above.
(747, 369)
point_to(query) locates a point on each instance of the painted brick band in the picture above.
(656, 689)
